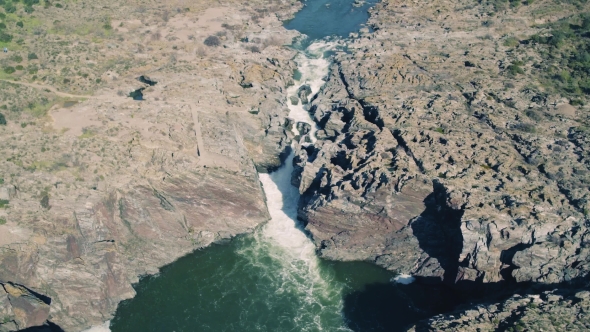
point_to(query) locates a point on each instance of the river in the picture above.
(272, 280)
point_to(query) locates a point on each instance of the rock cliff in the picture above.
(104, 189)
(436, 158)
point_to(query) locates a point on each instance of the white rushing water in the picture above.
(283, 238)
(100, 328)
(288, 287)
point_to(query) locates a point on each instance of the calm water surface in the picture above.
(324, 18)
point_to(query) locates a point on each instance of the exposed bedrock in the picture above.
(434, 159)
(418, 183)
(143, 182)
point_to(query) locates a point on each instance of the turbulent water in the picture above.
(272, 280)
(269, 281)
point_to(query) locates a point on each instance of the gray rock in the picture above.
(303, 93)
(26, 308)
(7, 192)
(303, 128)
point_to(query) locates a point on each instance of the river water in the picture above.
(272, 280)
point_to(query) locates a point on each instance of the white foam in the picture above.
(105, 327)
(313, 68)
(404, 279)
(282, 237)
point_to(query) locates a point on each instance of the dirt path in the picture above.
(47, 87)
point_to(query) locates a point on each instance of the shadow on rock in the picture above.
(47, 327)
(394, 307)
(438, 230)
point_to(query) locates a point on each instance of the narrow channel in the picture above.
(272, 280)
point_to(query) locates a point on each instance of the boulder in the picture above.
(303, 93)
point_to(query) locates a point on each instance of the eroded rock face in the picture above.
(122, 187)
(549, 311)
(22, 308)
(426, 166)
(303, 93)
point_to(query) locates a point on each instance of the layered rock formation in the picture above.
(549, 311)
(435, 160)
(108, 189)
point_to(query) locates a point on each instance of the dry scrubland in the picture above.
(97, 189)
(476, 112)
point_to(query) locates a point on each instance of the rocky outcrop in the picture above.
(109, 189)
(548, 311)
(22, 308)
(303, 93)
(429, 167)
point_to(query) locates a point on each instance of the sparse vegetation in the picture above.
(212, 41)
(511, 42)
(514, 68)
(45, 201)
(566, 49)
(534, 115)
(254, 49)
(525, 127)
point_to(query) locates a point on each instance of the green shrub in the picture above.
(577, 102)
(32, 56)
(3, 203)
(45, 201)
(5, 38)
(534, 115)
(19, 67)
(9, 7)
(16, 58)
(9, 70)
(511, 42)
(567, 55)
(3, 123)
(2, 25)
(212, 41)
(2, 221)
(564, 76)
(525, 127)
(514, 69)
(29, 9)
(20, 24)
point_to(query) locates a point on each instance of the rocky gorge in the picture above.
(105, 189)
(435, 160)
(441, 153)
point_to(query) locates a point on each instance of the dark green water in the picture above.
(272, 280)
(235, 288)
